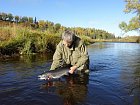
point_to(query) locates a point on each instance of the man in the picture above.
(71, 51)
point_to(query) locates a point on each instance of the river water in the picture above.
(114, 79)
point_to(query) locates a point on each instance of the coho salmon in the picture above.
(54, 74)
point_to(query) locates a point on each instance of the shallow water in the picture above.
(114, 79)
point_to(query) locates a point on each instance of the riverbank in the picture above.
(17, 40)
(129, 39)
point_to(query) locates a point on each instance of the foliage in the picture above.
(16, 19)
(87, 40)
(30, 19)
(54, 28)
(24, 35)
(27, 41)
(57, 26)
(10, 17)
(132, 6)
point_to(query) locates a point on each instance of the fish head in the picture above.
(46, 76)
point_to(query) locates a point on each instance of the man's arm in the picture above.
(84, 56)
(57, 57)
(82, 60)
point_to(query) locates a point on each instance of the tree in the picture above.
(10, 17)
(123, 26)
(16, 19)
(132, 6)
(24, 19)
(35, 21)
(0, 16)
(57, 26)
(4, 16)
(30, 19)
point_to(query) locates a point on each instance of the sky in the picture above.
(98, 14)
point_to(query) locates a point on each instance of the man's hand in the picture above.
(72, 69)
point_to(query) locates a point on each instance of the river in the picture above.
(114, 79)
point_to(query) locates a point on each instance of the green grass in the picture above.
(26, 41)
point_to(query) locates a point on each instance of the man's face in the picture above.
(66, 43)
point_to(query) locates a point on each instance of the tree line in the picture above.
(17, 19)
(55, 28)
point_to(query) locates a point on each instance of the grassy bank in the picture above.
(130, 39)
(23, 40)
(18, 40)
(133, 39)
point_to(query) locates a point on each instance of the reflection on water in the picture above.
(114, 79)
(73, 90)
